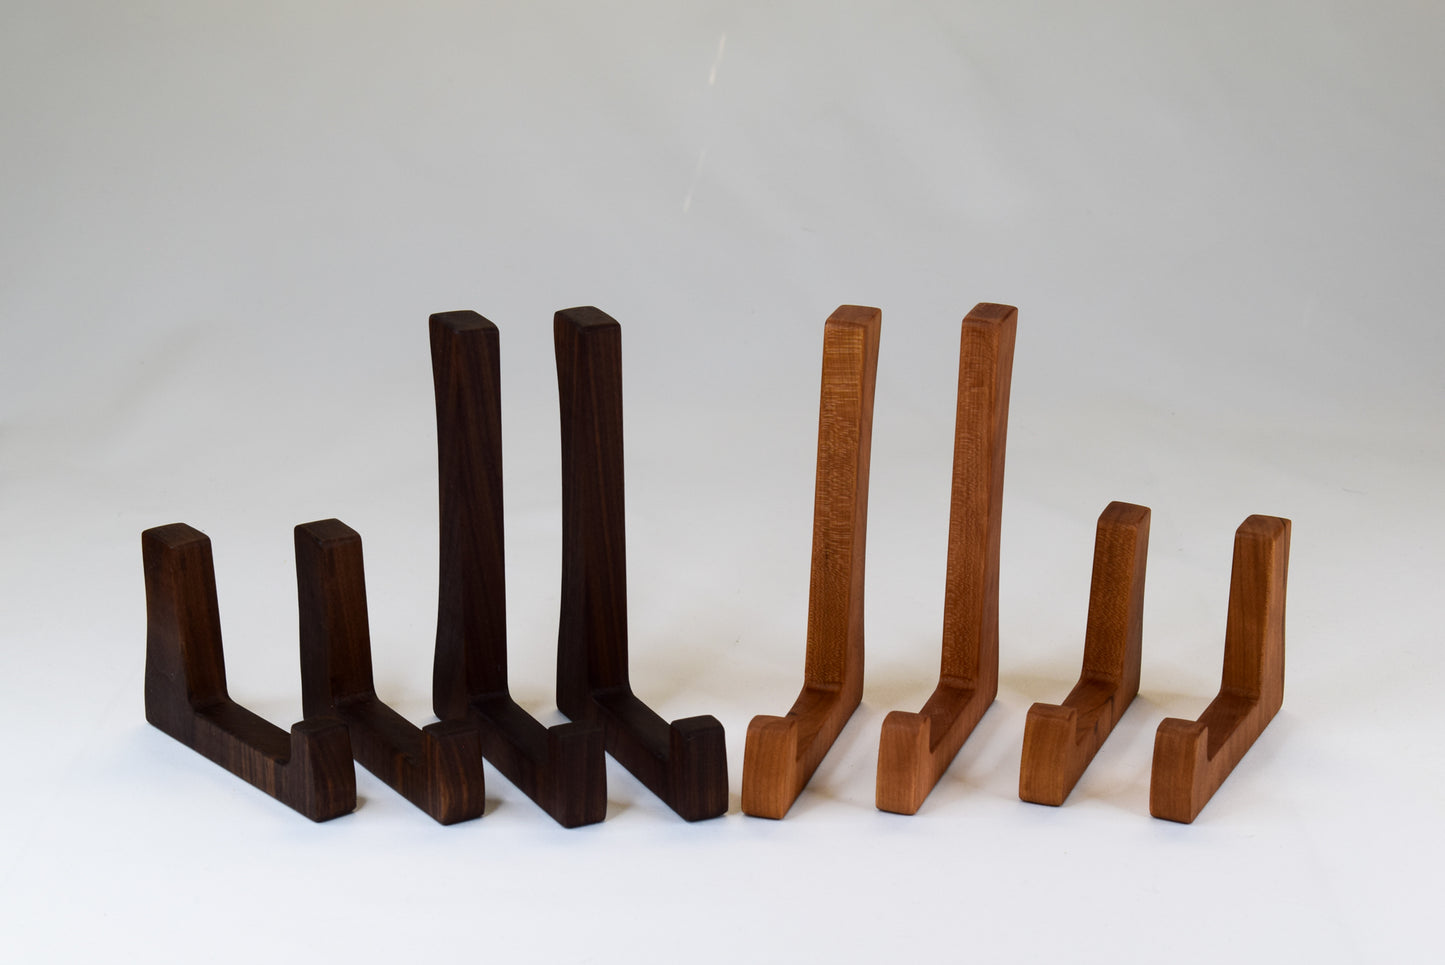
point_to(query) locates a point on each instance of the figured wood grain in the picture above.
(1193, 757)
(684, 763)
(1061, 739)
(915, 749)
(185, 688)
(561, 767)
(782, 753)
(438, 768)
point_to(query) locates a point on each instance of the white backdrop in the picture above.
(222, 228)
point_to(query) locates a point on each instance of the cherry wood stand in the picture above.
(1193, 757)
(1061, 739)
(782, 753)
(915, 749)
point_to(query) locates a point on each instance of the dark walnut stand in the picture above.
(1061, 739)
(561, 768)
(439, 767)
(685, 762)
(185, 688)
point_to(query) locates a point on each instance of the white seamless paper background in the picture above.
(225, 225)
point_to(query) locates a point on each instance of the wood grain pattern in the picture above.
(561, 767)
(684, 763)
(1193, 757)
(185, 688)
(782, 753)
(915, 749)
(1061, 739)
(438, 768)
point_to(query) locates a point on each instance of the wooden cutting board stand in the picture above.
(439, 767)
